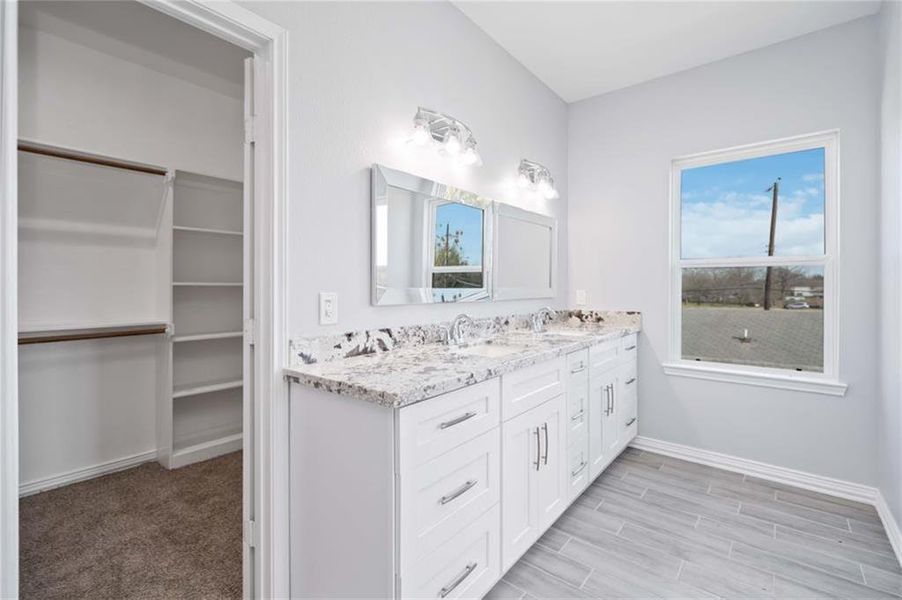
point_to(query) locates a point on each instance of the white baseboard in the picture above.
(801, 479)
(890, 524)
(48, 483)
(808, 481)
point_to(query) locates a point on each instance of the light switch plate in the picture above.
(328, 308)
(581, 298)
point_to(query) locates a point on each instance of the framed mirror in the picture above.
(524, 254)
(431, 243)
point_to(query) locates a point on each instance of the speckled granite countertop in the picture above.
(396, 370)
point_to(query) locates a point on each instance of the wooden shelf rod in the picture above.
(88, 158)
(88, 334)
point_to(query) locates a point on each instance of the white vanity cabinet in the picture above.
(439, 498)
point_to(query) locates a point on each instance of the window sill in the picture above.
(796, 383)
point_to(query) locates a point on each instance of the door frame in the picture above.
(268, 43)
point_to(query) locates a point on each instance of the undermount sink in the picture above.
(488, 349)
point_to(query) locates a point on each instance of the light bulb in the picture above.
(522, 181)
(420, 135)
(544, 187)
(550, 193)
(469, 156)
(452, 143)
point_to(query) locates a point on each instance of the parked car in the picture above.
(796, 305)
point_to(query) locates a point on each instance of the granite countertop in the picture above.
(411, 373)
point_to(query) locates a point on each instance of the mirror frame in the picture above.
(382, 179)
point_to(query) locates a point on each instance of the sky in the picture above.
(467, 219)
(726, 208)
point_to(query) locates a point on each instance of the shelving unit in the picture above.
(205, 375)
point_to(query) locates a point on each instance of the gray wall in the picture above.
(358, 71)
(621, 145)
(889, 418)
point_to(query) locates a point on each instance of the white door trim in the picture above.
(9, 403)
(267, 41)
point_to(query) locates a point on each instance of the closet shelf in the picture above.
(194, 389)
(206, 230)
(198, 337)
(206, 284)
(206, 450)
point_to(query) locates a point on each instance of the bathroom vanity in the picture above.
(421, 469)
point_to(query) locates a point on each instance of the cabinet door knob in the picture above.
(538, 449)
(545, 458)
(630, 380)
(631, 421)
(578, 469)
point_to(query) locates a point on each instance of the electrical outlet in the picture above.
(328, 308)
(581, 298)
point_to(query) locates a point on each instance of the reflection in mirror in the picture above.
(429, 241)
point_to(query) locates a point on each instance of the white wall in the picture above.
(358, 71)
(889, 417)
(621, 146)
(88, 403)
(75, 96)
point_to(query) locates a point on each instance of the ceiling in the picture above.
(582, 49)
(140, 34)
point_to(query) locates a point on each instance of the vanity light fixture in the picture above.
(535, 176)
(450, 135)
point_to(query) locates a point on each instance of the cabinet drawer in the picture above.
(527, 388)
(442, 496)
(604, 356)
(629, 347)
(467, 566)
(577, 408)
(578, 464)
(629, 403)
(432, 427)
(578, 366)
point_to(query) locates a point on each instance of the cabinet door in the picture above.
(611, 424)
(551, 476)
(520, 460)
(601, 395)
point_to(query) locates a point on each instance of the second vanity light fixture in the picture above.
(451, 135)
(535, 176)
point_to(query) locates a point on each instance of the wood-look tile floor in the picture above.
(656, 527)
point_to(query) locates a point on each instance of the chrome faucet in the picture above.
(459, 328)
(538, 318)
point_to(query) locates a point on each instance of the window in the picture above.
(754, 267)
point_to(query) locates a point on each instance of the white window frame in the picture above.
(824, 383)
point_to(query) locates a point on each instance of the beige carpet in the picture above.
(142, 533)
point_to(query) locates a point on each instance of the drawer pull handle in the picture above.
(578, 416)
(578, 368)
(630, 380)
(631, 421)
(628, 348)
(457, 421)
(458, 492)
(457, 580)
(579, 469)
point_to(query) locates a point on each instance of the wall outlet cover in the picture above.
(328, 308)
(582, 298)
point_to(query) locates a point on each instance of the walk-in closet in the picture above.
(133, 273)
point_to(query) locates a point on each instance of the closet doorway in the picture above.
(137, 291)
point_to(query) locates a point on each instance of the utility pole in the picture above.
(775, 188)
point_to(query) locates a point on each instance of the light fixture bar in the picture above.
(452, 135)
(533, 175)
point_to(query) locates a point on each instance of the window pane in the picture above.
(726, 208)
(457, 280)
(725, 319)
(458, 235)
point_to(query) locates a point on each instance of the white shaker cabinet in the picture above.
(534, 478)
